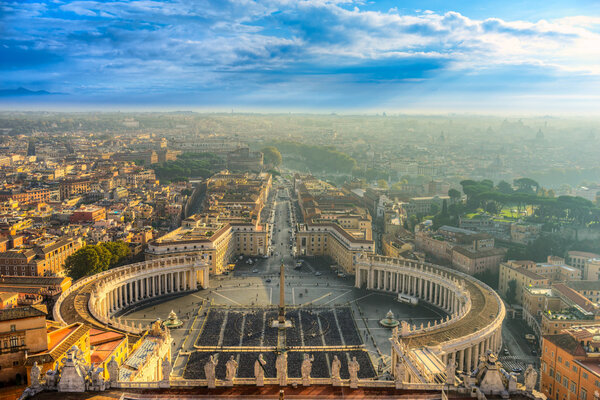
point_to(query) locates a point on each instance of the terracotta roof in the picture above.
(37, 310)
(56, 352)
(567, 343)
(574, 296)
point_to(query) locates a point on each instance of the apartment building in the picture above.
(46, 258)
(569, 364)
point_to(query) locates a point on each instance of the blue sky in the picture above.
(303, 55)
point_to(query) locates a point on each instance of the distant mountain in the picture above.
(21, 91)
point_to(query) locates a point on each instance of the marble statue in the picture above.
(97, 380)
(209, 371)
(113, 370)
(166, 369)
(34, 375)
(450, 372)
(399, 374)
(306, 369)
(282, 367)
(74, 373)
(531, 376)
(353, 368)
(52, 378)
(336, 365)
(231, 369)
(259, 370)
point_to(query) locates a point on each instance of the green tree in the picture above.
(83, 262)
(454, 195)
(272, 155)
(382, 183)
(504, 187)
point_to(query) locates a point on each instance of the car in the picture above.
(517, 370)
(506, 352)
(318, 273)
(268, 280)
(255, 270)
(534, 352)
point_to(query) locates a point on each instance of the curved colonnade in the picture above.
(115, 290)
(475, 311)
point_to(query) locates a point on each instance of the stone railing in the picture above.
(451, 278)
(429, 272)
(130, 270)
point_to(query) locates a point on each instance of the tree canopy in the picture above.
(92, 259)
(271, 156)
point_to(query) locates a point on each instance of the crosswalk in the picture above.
(511, 362)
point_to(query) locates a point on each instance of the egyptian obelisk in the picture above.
(281, 295)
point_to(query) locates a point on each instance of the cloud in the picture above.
(239, 46)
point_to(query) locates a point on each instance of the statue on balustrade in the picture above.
(282, 368)
(353, 368)
(113, 371)
(34, 375)
(450, 372)
(336, 366)
(209, 371)
(399, 373)
(531, 376)
(259, 370)
(306, 369)
(166, 369)
(231, 370)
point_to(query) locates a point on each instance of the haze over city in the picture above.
(310, 199)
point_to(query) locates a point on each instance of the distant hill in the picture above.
(21, 91)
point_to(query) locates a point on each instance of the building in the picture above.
(573, 309)
(41, 259)
(587, 263)
(569, 364)
(424, 205)
(8, 300)
(522, 272)
(528, 273)
(22, 332)
(244, 160)
(88, 214)
(58, 341)
(107, 344)
(466, 250)
(29, 196)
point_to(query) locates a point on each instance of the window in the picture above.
(13, 328)
(583, 395)
(559, 359)
(584, 375)
(567, 364)
(565, 382)
(14, 341)
(575, 368)
(551, 372)
(573, 387)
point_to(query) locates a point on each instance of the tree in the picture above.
(511, 292)
(90, 260)
(382, 183)
(272, 155)
(454, 195)
(504, 187)
(83, 262)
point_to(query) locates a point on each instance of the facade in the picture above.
(59, 341)
(587, 263)
(22, 331)
(524, 276)
(569, 364)
(42, 259)
(333, 241)
(244, 160)
(423, 205)
(31, 196)
(88, 214)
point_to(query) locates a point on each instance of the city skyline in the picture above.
(310, 56)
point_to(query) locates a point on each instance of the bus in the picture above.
(404, 298)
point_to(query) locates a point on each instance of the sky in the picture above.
(488, 56)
